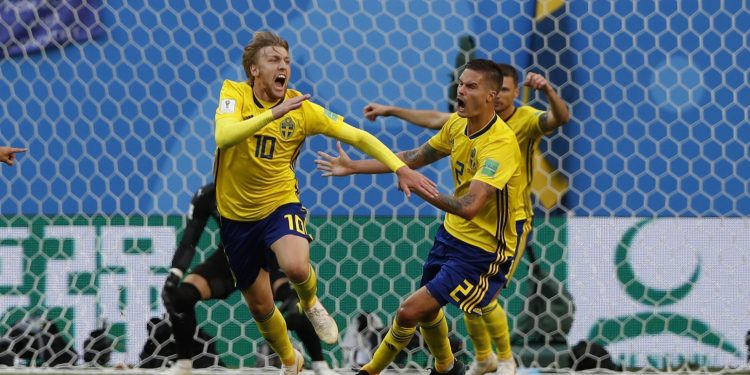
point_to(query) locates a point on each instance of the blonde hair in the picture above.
(261, 39)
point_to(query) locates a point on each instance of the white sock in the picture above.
(184, 363)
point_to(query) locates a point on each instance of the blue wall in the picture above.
(123, 123)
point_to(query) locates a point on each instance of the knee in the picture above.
(297, 272)
(407, 316)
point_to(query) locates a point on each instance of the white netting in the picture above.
(641, 212)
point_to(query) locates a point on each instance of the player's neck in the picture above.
(507, 112)
(264, 95)
(478, 122)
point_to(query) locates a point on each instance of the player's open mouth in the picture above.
(280, 80)
(460, 105)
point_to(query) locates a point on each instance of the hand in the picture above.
(8, 154)
(335, 166)
(288, 105)
(409, 179)
(169, 291)
(535, 81)
(373, 110)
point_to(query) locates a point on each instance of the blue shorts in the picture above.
(464, 275)
(247, 244)
(523, 229)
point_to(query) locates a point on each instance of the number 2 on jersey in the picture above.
(459, 171)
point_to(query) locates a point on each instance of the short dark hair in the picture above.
(489, 69)
(261, 39)
(509, 71)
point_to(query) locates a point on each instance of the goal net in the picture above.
(640, 242)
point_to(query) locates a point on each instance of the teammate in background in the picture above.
(474, 247)
(8, 154)
(260, 129)
(212, 279)
(529, 124)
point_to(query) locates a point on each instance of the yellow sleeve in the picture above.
(442, 140)
(322, 121)
(231, 129)
(535, 131)
(498, 162)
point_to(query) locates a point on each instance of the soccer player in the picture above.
(260, 129)
(474, 248)
(8, 154)
(529, 124)
(212, 279)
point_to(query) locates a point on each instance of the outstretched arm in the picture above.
(466, 206)
(558, 113)
(342, 165)
(385, 159)
(425, 118)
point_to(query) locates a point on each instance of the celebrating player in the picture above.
(212, 279)
(474, 247)
(529, 124)
(260, 128)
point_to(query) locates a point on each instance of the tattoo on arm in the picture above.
(422, 156)
(429, 154)
(456, 205)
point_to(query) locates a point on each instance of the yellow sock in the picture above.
(273, 329)
(435, 334)
(395, 340)
(306, 290)
(479, 336)
(496, 323)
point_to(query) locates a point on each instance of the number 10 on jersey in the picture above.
(295, 223)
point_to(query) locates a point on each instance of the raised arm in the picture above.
(558, 113)
(425, 118)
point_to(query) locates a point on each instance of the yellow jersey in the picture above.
(256, 175)
(525, 124)
(492, 156)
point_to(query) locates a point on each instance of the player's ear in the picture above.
(254, 70)
(491, 96)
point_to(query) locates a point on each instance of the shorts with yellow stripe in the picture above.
(464, 275)
(523, 228)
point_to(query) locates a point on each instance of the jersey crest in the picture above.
(286, 128)
(473, 160)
